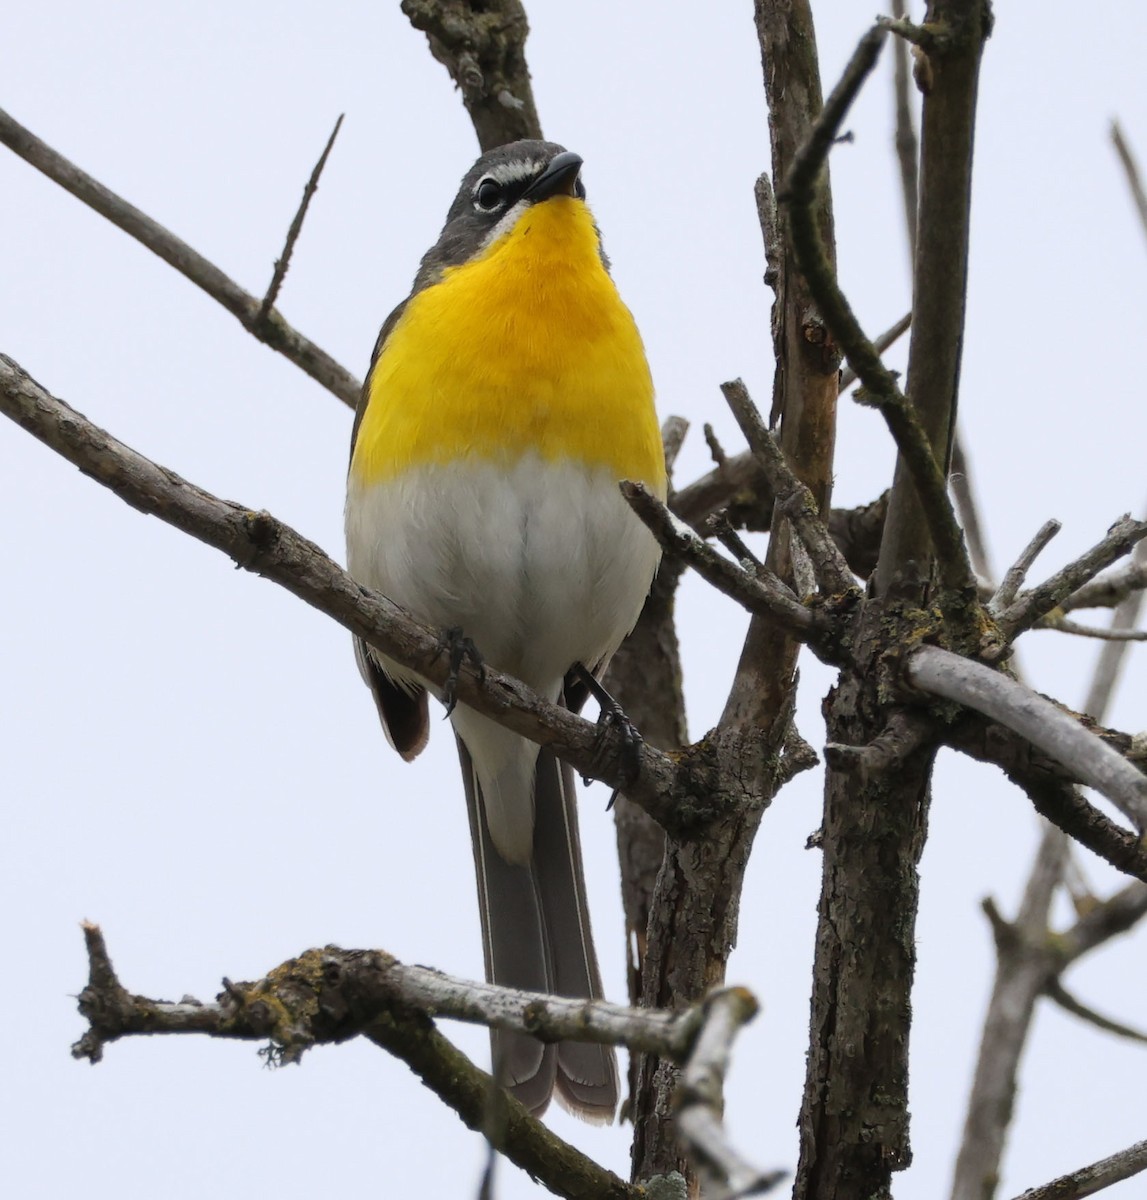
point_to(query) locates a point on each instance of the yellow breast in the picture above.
(528, 348)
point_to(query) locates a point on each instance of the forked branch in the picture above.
(269, 328)
(330, 995)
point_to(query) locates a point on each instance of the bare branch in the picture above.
(792, 497)
(799, 194)
(1057, 992)
(1131, 169)
(1015, 575)
(764, 595)
(960, 481)
(270, 329)
(284, 260)
(1112, 656)
(907, 143)
(1103, 921)
(884, 342)
(1063, 625)
(880, 386)
(673, 431)
(928, 37)
(1054, 799)
(701, 1098)
(1039, 601)
(807, 360)
(259, 543)
(326, 996)
(1089, 1180)
(1023, 970)
(1060, 736)
(1111, 589)
(483, 46)
(952, 42)
(329, 995)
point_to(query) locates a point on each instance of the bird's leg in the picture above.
(612, 716)
(460, 648)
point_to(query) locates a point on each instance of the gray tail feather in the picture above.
(536, 936)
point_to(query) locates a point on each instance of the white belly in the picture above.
(542, 565)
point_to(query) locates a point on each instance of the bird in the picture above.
(507, 397)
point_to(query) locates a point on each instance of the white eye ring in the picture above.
(488, 194)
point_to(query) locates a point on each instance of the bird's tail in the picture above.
(536, 936)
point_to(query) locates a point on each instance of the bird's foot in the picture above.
(612, 716)
(460, 648)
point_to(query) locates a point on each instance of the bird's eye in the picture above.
(488, 194)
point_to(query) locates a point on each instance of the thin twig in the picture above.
(1114, 654)
(1094, 1178)
(1131, 169)
(1015, 575)
(927, 37)
(760, 594)
(271, 330)
(885, 341)
(1031, 605)
(284, 260)
(880, 386)
(1063, 625)
(718, 526)
(673, 431)
(960, 481)
(792, 497)
(907, 143)
(1069, 1003)
(1060, 736)
(716, 450)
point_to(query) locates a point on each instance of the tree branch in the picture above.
(1053, 796)
(1060, 995)
(953, 46)
(1060, 736)
(483, 46)
(296, 226)
(1024, 967)
(1015, 575)
(259, 543)
(269, 328)
(880, 386)
(1094, 1178)
(792, 498)
(1110, 590)
(1031, 605)
(1131, 170)
(762, 594)
(328, 996)
(701, 1099)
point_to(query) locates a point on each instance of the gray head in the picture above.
(494, 193)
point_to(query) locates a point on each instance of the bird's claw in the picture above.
(460, 648)
(612, 716)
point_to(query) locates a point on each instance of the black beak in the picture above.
(559, 178)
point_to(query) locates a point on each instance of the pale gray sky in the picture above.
(188, 754)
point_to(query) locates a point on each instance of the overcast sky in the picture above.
(188, 755)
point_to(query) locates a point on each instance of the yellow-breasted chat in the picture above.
(507, 397)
